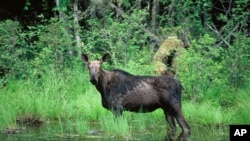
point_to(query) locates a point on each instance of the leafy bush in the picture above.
(237, 62)
(12, 54)
(214, 73)
(121, 37)
(30, 51)
(200, 68)
(53, 47)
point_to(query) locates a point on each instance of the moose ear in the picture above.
(105, 57)
(85, 58)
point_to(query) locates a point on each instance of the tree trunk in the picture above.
(138, 3)
(59, 9)
(76, 28)
(64, 20)
(154, 13)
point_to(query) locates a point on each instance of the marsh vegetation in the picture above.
(68, 106)
(45, 91)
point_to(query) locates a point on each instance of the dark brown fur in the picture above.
(121, 91)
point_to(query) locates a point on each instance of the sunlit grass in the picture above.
(242, 112)
(206, 113)
(116, 127)
(74, 105)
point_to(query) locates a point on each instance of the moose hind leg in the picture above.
(176, 110)
(184, 125)
(171, 121)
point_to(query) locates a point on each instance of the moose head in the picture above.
(95, 67)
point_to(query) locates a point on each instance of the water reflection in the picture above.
(57, 132)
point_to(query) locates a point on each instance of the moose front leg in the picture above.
(117, 109)
(117, 113)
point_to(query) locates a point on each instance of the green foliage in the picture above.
(189, 17)
(200, 68)
(118, 126)
(122, 38)
(71, 106)
(53, 47)
(208, 72)
(242, 112)
(214, 76)
(10, 53)
(199, 113)
(9, 31)
(237, 62)
(26, 52)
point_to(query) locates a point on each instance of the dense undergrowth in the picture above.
(43, 80)
(69, 98)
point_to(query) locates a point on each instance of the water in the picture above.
(57, 132)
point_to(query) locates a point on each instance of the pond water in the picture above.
(51, 132)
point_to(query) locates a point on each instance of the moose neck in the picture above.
(102, 83)
(103, 88)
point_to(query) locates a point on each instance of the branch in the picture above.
(118, 10)
(152, 36)
(213, 28)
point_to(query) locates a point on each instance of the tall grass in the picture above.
(242, 112)
(116, 126)
(207, 113)
(69, 99)
(51, 97)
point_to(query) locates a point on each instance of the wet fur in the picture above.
(122, 91)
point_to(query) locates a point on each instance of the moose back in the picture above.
(122, 91)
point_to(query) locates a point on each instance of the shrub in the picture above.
(200, 68)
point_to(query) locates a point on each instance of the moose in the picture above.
(121, 91)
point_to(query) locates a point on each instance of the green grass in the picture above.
(242, 108)
(69, 100)
(50, 97)
(116, 127)
(207, 113)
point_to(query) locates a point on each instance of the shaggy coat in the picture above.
(122, 91)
